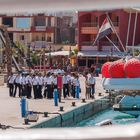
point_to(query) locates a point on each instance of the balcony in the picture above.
(89, 28)
(107, 43)
(116, 24)
(90, 24)
(40, 44)
(87, 43)
(40, 28)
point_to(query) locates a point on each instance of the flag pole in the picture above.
(128, 30)
(113, 28)
(134, 34)
(112, 43)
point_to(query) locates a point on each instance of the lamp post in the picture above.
(50, 56)
(43, 56)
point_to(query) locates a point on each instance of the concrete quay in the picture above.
(11, 112)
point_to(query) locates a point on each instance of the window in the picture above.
(43, 38)
(22, 37)
(23, 23)
(49, 22)
(96, 19)
(40, 21)
(117, 19)
(8, 21)
(37, 38)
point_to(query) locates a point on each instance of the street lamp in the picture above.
(43, 57)
(50, 56)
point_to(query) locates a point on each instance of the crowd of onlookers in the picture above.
(40, 86)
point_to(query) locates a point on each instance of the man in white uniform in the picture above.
(18, 85)
(11, 80)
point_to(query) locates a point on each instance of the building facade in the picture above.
(38, 29)
(88, 27)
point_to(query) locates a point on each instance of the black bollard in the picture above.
(26, 121)
(45, 114)
(73, 103)
(83, 100)
(61, 108)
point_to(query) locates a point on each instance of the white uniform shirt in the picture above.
(18, 79)
(48, 80)
(72, 80)
(65, 79)
(28, 80)
(68, 78)
(55, 81)
(23, 80)
(92, 80)
(11, 79)
(40, 80)
(35, 80)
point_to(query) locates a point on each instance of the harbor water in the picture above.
(116, 117)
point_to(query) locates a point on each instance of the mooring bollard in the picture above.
(55, 94)
(77, 89)
(26, 121)
(23, 107)
(83, 100)
(61, 108)
(73, 104)
(45, 114)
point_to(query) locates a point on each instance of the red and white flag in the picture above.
(104, 30)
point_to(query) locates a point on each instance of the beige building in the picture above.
(36, 29)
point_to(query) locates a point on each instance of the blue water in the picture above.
(116, 117)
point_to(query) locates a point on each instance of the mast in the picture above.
(134, 34)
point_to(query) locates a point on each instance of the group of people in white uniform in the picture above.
(42, 86)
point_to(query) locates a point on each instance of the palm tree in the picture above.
(76, 53)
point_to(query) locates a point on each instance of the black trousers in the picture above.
(48, 91)
(35, 91)
(29, 90)
(23, 90)
(39, 91)
(45, 92)
(17, 85)
(11, 89)
(65, 90)
(73, 91)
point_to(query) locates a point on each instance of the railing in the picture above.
(89, 24)
(107, 43)
(88, 43)
(129, 132)
(116, 24)
(40, 28)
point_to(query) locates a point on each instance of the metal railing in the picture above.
(116, 24)
(87, 43)
(90, 24)
(129, 132)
